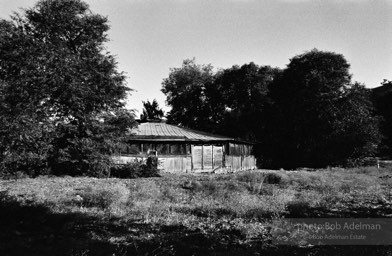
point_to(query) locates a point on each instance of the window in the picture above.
(133, 149)
(250, 149)
(234, 149)
(162, 149)
(178, 149)
(121, 149)
(238, 149)
(246, 150)
(148, 147)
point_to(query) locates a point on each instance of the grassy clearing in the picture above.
(181, 214)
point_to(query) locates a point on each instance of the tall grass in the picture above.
(238, 200)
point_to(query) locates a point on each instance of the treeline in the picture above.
(62, 101)
(382, 99)
(309, 114)
(61, 96)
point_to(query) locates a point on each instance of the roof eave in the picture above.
(150, 139)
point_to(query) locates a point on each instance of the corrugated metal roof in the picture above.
(163, 131)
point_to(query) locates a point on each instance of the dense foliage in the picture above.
(319, 117)
(229, 102)
(62, 100)
(62, 97)
(151, 111)
(244, 97)
(136, 169)
(382, 98)
(309, 114)
(190, 92)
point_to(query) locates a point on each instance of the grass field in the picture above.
(227, 214)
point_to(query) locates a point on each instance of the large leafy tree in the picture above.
(228, 102)
(191, 93)
(151, 110)
(318, 116)
(56, 76)
(244, 93)
(382, 98)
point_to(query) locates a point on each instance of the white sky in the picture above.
(150, 36)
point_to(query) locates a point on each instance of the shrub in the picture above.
(136, 169)
(24, 164)
(129, 170)
(273, 178)
(150, 169)
(99, 166)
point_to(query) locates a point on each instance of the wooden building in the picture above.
(184, 150)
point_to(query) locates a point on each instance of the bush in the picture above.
(99, 166)
(25, 164)
(136, 169)
(150, 169)
(127, 171)
(273, 178)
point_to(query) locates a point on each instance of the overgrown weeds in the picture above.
(241, 204)
(110, 197)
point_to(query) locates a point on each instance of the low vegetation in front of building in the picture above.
(227, 214)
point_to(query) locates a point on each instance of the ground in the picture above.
(227, 214)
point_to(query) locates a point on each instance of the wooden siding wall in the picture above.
(196, 162)
(207, 158)
(249, 163)
(240, 163)
(165, 163)
(175, 164)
